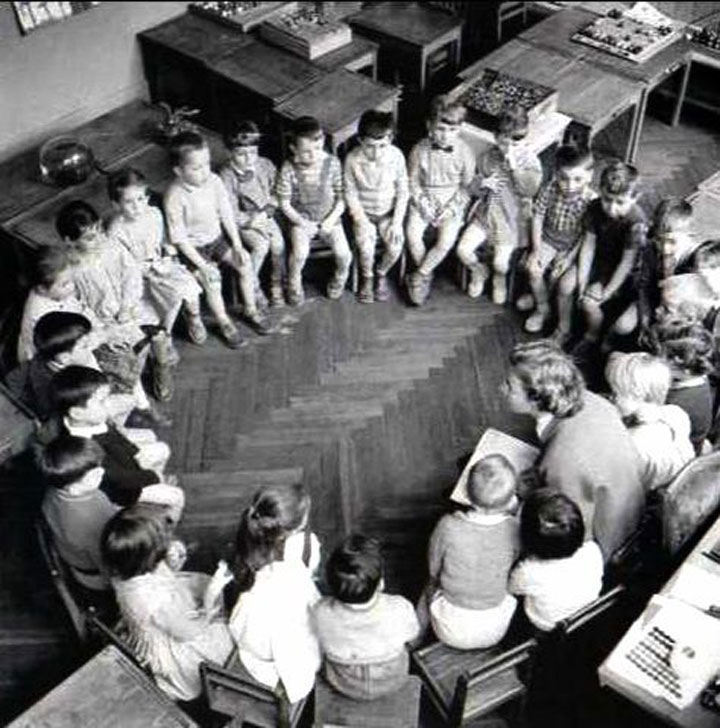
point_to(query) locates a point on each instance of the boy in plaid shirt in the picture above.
(556, 229)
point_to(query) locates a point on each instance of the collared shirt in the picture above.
(375, 185)
(252, 193)
(562, 214)
(142, 238)
(312, 191)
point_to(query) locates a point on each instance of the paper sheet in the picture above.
(696, 586)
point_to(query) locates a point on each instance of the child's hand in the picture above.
(491, 183)
(258, 219)
(326, 226)
(124, 316)
(310, 227)
(595, 293)
(534, 263)
(397, 233)
(214, 590)
(176, 555)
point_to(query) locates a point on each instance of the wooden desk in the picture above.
(109, 691)
(694, 716)
(337, 101)
(589, 95)
(409, 35)
(359, 56)
(703, 56)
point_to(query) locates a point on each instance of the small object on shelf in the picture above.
(175, 121)
(709, 36)
(65, 161)
(243, 16)
(488, 97)
(307, 32)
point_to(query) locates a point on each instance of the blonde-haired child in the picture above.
(640, 384)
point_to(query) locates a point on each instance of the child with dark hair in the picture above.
(362, 630)
(173, 618)
(555, 234)
(310, 191)
(270, 621)
(614, 234)
(470, 556)
(109, 282)
(74, 506)
(140, 229)
(250, 181)
(201, 224)
(377, 195)
(440, 168)
(559, 572)
(509, 175)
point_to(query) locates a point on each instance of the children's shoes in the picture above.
(296, 295)
(231, 335)
(365, 294)
(335, 289)
(163, 382)
(525, 302)
(419, 287)
(382, 292)
(277, 300)
(259, 323)
(477, 283)
(197, 333)
(499, 294)
(534, 323)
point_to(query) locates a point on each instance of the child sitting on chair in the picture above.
(173, 618)
(470, 556)
(201, 225)
(140, 229)
(509, 175)
(615, 232)
(559, 572)
(270, 621)
(440, 168)
(660, 432)
(376, 193)
(310, 190)
(362, 630)
(250, 181)
(555, 234)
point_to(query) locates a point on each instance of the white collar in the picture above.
(484, 519)
(369, 604)
(542, 423)
(86, 431)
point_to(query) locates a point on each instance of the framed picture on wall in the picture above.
(33, 15)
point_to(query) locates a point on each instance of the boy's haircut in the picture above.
(444, 109)
(74, 219)
(183, 144)
(549, 376)
(685, 342)
(134, 541)
(569, 156)
(639, 376)
(57, 332)
(53, 261)
(513, 121)
(668, 213)
(122, 179)
(67, 458)
(354, 569)
(707, 255)
(491, 483)
(245, 133)
(551, 525)
(375, 124)
(74, 385)
(619, 178)
(306, 127)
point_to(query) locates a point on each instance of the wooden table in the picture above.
(109, 691)
(587, 94)
(694, 716)
(703, 56)
(337, 101)
(409, 36)
(359, 56)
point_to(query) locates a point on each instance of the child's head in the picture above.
(491, 485)
(54, 274)
(707, 262)
(61, 337)
(375, 132)
(444, 120)
(242, 143)
(190, 158)
(637, 378)
(128, 189)
(618, 188)
(81, 393)
(354, 569)
(513, 127)
(135, 541)
(671, 216)
(306, 141)
(551, 525)
(685, 344)
(573, 168)
(78, 223)
(71, 460)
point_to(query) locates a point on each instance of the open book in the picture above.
(493, 442)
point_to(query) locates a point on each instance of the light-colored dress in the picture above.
(168, 630)
(167, 282)
(271, 624)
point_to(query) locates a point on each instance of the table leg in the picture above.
(458, 52)
(636, 126)
(423, 70)
(681, 94)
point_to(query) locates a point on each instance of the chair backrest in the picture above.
(591, 612)
(689, 501)
(114, 635)
(400, 709)
(232, 691)
(62, 579)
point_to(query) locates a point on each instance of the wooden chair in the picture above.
(507, 11)
(114, 635)
(399, 710)
(232, 691)
(689, 502)
(464, 685)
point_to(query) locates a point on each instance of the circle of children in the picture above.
(112, 292)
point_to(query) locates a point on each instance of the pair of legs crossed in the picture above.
(366, 238)
(261, 241)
